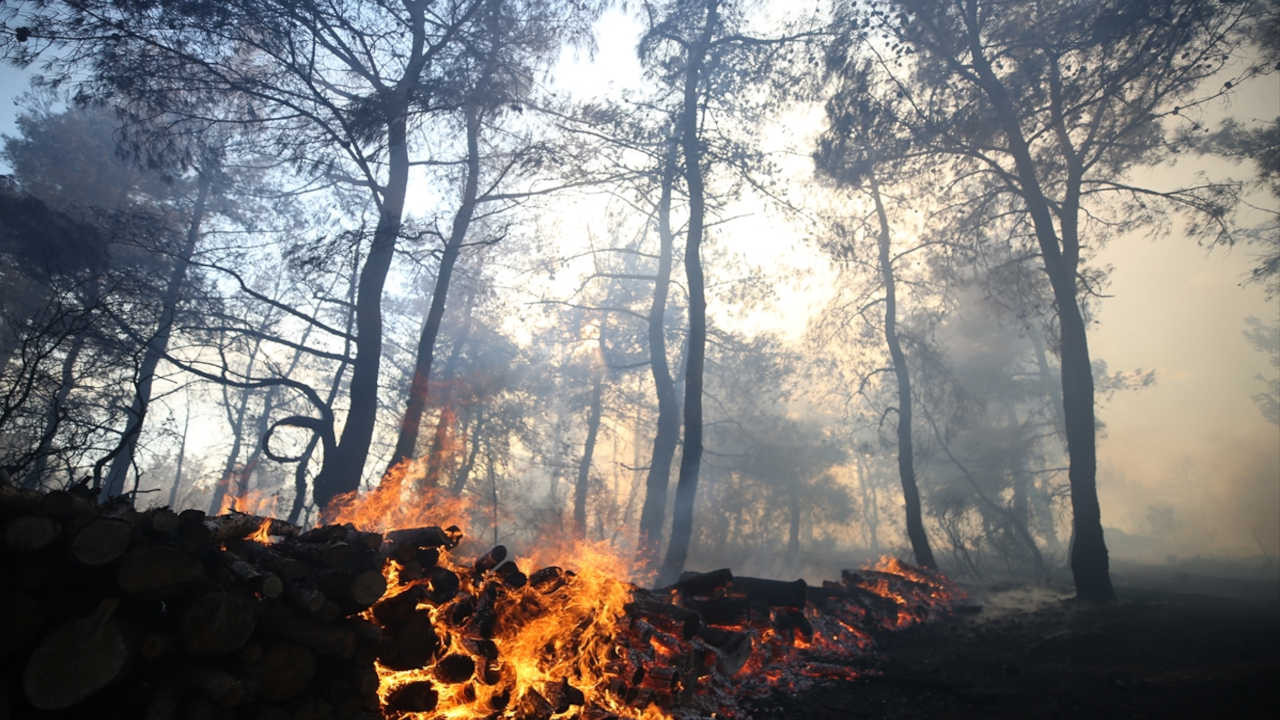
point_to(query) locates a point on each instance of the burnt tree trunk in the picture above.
(342, 470)
(407, 440)
(691, 454)
(300, 472)
(1060, 253)
(653, 511)
(906, 464)
(121, 458)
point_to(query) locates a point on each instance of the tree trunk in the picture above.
(182, 455)
(1061, 255)
(589, 447)
(906, 464)
(53, 414)
(653, 511)
(1089, 563)
(448, 418)
(691, 454)
(122, 457)
(464, 472)
(407, 441)
(236, 423)
(341, 472)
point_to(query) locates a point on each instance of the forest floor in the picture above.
(1174, 645)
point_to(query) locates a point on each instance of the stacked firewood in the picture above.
(107, 611)
(113, 612)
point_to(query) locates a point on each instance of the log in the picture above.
(267, 584)
(156, 645)
(103, 541)
(422, 537)
(703, 583)
(346, 533)
(419, 696)
(30, 533)
(269, 559)
(352, 592)
(548, 579)
(73, 508)
(510, 574)
(688, 621)
(214, 683)
(774, 593)
(238, 526)
(285, 671)
(412, 645)
(325, 639)
(307, 598)
(396, 610)
(443, 585)
(193, 536)
(490, 560)
(161, 521)
(76, 660)
(217, 623)
(734, 611)
(156, 571)
(454, 668)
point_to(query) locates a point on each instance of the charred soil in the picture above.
(1157, 652)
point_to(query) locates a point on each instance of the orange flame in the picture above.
(261, 535)
(401, 500)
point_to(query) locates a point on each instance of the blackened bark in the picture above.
(121, 458)
(300, 472)
(653, 511)
(342, 470)
(419, 386)
(906, 464)
(1061, 255)
(691, 454)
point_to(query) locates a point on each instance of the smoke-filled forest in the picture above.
(780, 288)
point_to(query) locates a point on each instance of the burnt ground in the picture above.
(1172, 646)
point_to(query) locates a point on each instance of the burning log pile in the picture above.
(112, 612)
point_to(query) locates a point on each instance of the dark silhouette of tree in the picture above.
(1042, 108)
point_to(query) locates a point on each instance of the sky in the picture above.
(1194, 441)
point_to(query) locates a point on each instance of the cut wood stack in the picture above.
(112, 612)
